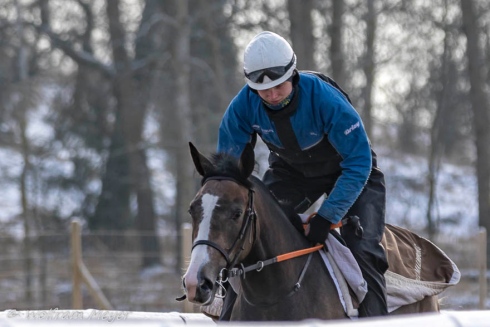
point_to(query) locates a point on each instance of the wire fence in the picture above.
(41, 278)
(469, 254)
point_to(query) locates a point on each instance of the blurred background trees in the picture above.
(99, 99)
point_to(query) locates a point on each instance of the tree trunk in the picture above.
(27, 248)
(216, 58)
(301, 31)
(185, 182)
(21, 115)
(336, 37)
(112, 211)
(369, 66)
(132, 113)
(436, 148)
(481, 115)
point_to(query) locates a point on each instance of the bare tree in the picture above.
(481, 110)
(301, 31)
(22, 85)
(182, 59)
(368, 65)
(126, 169)
(132, 110)
(436, 148)
(335, 31)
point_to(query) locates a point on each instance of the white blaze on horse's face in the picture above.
(200, 254)
(209, 202)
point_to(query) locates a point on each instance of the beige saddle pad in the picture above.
(417, 267)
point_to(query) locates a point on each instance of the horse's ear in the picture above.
(247, 160)
(201, 163)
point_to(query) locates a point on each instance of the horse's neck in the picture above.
(275, 236)
(276, 282)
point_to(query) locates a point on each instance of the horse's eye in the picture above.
(236, 215)
(191, 211)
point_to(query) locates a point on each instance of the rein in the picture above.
(241, 272)
(238, 272)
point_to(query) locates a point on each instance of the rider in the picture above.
(318, 146)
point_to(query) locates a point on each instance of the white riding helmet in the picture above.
(268, 61)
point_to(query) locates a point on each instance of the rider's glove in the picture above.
(318, 229)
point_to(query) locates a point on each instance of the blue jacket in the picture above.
(322, 112)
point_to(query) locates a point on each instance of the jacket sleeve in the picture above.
(235, 131)
(346, 133)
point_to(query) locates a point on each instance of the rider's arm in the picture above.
(235, 130)
(346, 133)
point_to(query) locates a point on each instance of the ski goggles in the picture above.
(273, 73)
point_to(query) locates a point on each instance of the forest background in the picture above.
(99, 99)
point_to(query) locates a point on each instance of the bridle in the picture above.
(250, 220)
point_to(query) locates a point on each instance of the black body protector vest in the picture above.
(322, 159)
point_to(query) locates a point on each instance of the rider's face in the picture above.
(276, 94)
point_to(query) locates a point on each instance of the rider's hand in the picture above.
(318, 230)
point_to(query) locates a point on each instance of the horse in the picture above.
(236, 222)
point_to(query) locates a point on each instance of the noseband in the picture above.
(250, 220)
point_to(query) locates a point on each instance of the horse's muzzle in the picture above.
(199, 290)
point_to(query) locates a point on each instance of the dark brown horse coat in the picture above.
(236, 221)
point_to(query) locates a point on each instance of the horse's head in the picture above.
(222, 220)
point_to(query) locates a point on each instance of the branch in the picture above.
(149, 60)
(82, 58)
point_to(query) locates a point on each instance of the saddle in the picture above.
(417, 269)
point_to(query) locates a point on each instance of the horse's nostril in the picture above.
(183, 282)
(204, 291)
(206, 285)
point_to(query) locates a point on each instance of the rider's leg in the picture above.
(370, 208)
(294, 192)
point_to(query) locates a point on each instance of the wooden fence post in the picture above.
(80, 273)
(76, 255)
(482, 254)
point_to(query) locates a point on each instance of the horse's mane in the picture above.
(225, 165)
